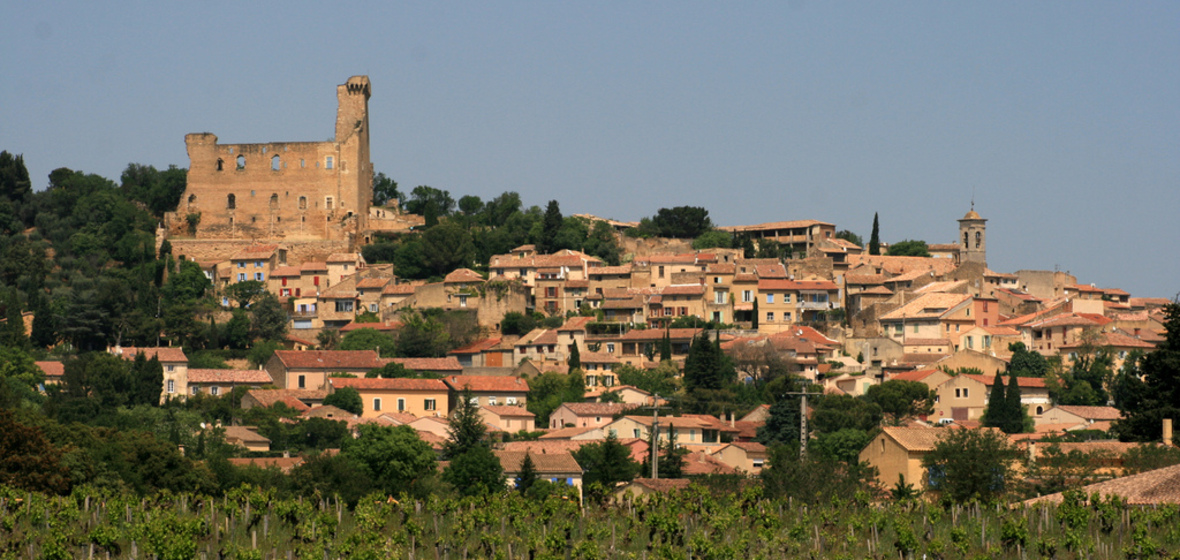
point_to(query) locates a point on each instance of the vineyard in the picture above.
(693, 524)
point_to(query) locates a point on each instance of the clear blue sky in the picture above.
(1063, 118)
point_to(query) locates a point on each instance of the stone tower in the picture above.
(973, 238)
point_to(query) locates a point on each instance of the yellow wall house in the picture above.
(420, 397)
(899, 451)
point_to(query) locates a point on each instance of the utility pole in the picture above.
(655, 437)
(802, 421)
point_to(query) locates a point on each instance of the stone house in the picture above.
(420, 397)
(898, 451)
(489, 390)
(748, 457)
(310, 369)
(558, 467)
(965, 396)
(586, 415)
(172, 361)
(510, 419)
(217, 382)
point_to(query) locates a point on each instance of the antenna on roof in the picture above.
(972, 197)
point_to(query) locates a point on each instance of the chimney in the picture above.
(1168, 432)
(732, 420)
(1032, 450)
(286, 454)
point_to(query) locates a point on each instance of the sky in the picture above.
(1061, 120)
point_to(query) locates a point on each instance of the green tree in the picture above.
(666, 347)
(328, 339)
(660, 380)
(346, 398)
(575, 359)
(850, 237)
(812, 480)
(550, 225)
(14, 178)
(713, 239)
(394, 457)
(971, 465)
(833, 413)
(996, 414)
(466, 429)
(842, 445)
(527, 476)
(909, 248)
(1145, 405)
(384, 190)
(146, 381)
(782, 427)
(1016, 418)
(237, 330)
(900, 400)
(475, 472)
(875, 237)
(470, 205)
(160, 191)
(424, 197)
(683, 222)
(268, 319)
(706, 367)
(27, 460)
(605, 464)
(446, 247)
(20, 378)
(422, 337)
(244, 293)
(369, 339)
(1027, 363)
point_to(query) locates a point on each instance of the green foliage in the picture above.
(475, 472)
(466, 429)
(782, 428)
(346, 398)
(550, 226)
(548, 390)
(1147, 457)
(1027, 363)
(394, 457)
(527, 476)
(706, 366)
(902, 400)
(422, 336)
(812, 480)
(604, 464)
(384, 190)
(245, 292)
(875, 238)
(515, 323)
(268, 319)
(425, 199)
(842, 445)
(908, 248)
(575, 359)
(660, 380)
(850, 237)
(261, 352)
(27, 460)
(971, 465)
(713, 239)
(683, 222)
(369, 339)
(833, 413)
(160, 191)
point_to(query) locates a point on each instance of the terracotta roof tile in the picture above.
(52, 370)
(463, 275)
(597, 409)
(478, 346)
(285, 464)
(398, 289)
(391, 384)
(684, 290)
(256, 376)
(770, 226)
(439, 365)
(1033, 382)
(916, 439)
(554, 463)
(162, 354)
(337, 360)
(1160, 486)
(928, 306)
(268, 397)
(488, 383)
(1093, 412)
(793, 285)
(508, 411)
(371, 283)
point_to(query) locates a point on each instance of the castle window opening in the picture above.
(303, 203)
(328, 163)
(220, 164)
(241, 162)
(264, 149)
(302, 163)
(978, 239)
(253, 219)
(965, 238)
(328, 203)
(274, 201)
(251, 193)
(274, 163)
(231, 202)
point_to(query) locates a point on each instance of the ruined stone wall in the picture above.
(282, 191)
(298, 252)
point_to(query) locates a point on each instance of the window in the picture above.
(462, 301)
(1040, 410)
(259, 276)
(241, 161)
(635, 433)
(978, 239)
(716, 279)
(769, 298)
(220, 164)
(171, 368)
(985, 307)
(302, 382)
(661, 272)
(328, 204)
(786, 298)
(401, 405)
(510, 401)
(610, 348)
(195, 390)
(376, 405)
(720, 296)
(769, 316)
(328, 162)
(343, 305)
(971, 342)
(474, 401)
(241, 277)
(373, 307)
(274, 163)
(747, 296)
(897, 328)
(231, 202)
(171, 386)
(215, 391)
(429, 404)
(285, 292)
(915, 329)
(492, 401)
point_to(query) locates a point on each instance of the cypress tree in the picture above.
(875, 238)
(754, 323)
(528, 474)
(666, 346)
(550, 225)
(995, 415)
(1014, 411)
(575, 360)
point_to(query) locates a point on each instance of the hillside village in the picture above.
(557, 348)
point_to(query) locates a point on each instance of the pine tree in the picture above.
(528, 474)
(466, 427)
(995, 415)
(875, 238)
